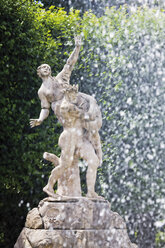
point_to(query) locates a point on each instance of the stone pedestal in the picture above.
(73, 223)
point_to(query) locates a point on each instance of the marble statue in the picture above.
(66, 219)
(81, 119)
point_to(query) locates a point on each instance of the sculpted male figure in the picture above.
(73, 144)
(52, 88)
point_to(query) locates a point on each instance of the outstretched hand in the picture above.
(34, 122)
(77, 40)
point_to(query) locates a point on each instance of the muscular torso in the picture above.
(73, 130)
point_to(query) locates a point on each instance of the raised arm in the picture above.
(45, 105)
(74, 55)
(64, 75)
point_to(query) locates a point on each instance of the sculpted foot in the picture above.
(48, 191)
(94, 195)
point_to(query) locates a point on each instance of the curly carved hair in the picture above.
(72, 88)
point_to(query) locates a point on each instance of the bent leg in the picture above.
(65, 161)
(55, 174)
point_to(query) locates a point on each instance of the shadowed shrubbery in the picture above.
(121, 64)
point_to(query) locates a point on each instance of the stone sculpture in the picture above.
(81, 119)
(79, 223)
(66, 219)
(74, 145)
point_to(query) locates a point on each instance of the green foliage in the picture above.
(29, 36)
(160, 239)
(98, 7)
(113, 66)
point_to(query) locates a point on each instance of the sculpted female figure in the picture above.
(52, 88)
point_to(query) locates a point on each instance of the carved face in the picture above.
(44, 70)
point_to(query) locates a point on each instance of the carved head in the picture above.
(43, 70)
(71, 93)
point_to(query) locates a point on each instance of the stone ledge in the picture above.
(81, 214)
(78, 223)
(75, 239)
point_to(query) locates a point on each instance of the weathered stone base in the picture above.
(75, 223)
(114, 238)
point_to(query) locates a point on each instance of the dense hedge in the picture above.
(26, 33)
(121, 64)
